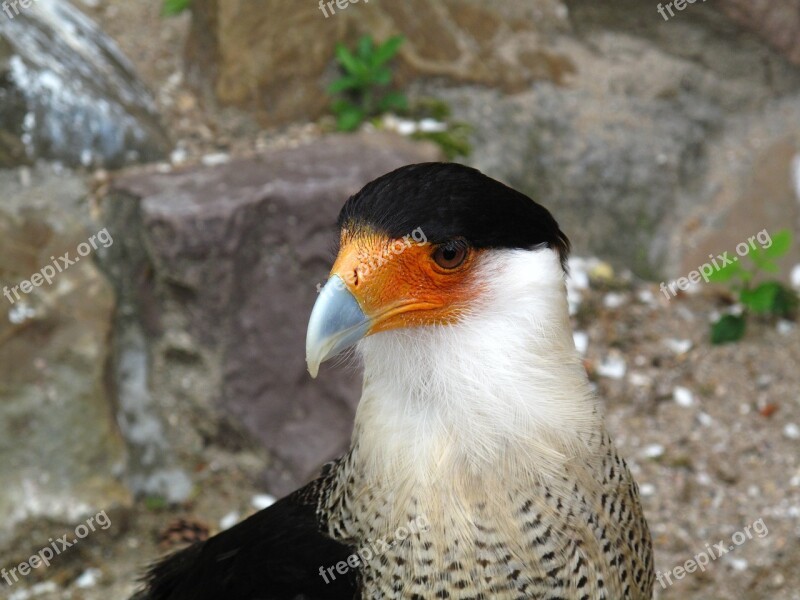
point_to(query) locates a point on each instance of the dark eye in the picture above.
(450, 254)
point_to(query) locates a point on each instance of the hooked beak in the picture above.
(336, 324)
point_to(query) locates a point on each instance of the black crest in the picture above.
(448, 201)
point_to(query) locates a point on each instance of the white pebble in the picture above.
(578, 277)
(614, 300)
(791, 431)
(785, 327)
(639, 379)
(653, 451)
(213, 160)
(678, 346)
(39, 589)
(262, 501)
(229, 520)
(795, 277)
(683, 396)
(705, 419)
(738, 564)
(432, 126)
(581, 339)
(20, 313)
(645, 296)
(796, 175)
(88, 579)
(574, 300)
(178, 156)
(647, 489)
(612, 367)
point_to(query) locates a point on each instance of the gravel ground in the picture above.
(712, 433)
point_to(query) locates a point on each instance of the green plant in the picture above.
(769, 298)
(172, 8)
(364, 85)
(454, 141)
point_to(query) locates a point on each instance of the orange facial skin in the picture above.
(398, 284)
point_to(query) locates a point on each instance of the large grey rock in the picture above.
(629, 153)
(217, 271)
(61, 453)
(777, 22)
(68, 94)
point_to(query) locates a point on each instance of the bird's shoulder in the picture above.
(275, 554)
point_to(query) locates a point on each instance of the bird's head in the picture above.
(426, 246)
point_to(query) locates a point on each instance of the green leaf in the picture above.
(454, 142)
(341, 105)
(757, 257)
(155, 503)
(769, 266)
(350, 118)
(771, 298)
(387, 51)
(781, 242)
(727, 273)
(345, 83)
(729, 328)
(786, 302)
(365, 48)
(350, 63)
(382, 76)
(761, 300)
(175, 7)
(393, 101)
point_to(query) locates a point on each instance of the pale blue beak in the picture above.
(336, 324)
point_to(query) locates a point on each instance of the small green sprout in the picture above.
(364, 86)
(770, 298)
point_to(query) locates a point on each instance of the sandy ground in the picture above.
(712, 433)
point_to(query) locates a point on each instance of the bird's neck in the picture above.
(501, 394)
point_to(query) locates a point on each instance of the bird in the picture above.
(479, 466)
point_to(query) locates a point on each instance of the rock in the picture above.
(750, 178)
(627, 145)
(777, 22)
(61, 453)
(68, 94)
(275, 58)
(217, 268)
(267, 57)
(501, 44)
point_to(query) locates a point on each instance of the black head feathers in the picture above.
(448, 201)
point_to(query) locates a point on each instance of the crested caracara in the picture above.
(479, 466)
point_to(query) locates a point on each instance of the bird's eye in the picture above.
(450, 255)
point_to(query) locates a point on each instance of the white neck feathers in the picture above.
(502, 391)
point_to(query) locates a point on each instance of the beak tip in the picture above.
(337, 323)
(313, 369)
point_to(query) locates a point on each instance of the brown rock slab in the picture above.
(275, 58)
(218, 268)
